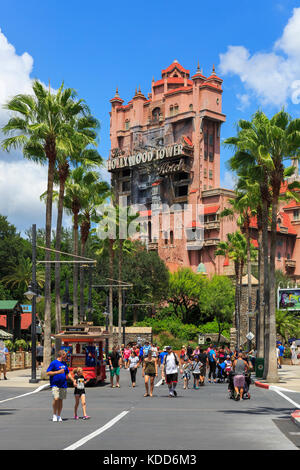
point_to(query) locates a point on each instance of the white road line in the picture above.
(96, 433)
(42, 387)
(275, 389)
(158, 383)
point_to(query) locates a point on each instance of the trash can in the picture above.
(259, 367)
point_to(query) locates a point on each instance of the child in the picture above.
(196, 371)
(228, 366)
(186, 371)
(79, 392)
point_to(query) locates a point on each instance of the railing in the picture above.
(214, 225)
(18, 360)
(211, 242)
(290, 263)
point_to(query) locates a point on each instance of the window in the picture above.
(191, 107)
(211, 139)
(127, 124)
(205, 154)
(296, 214)
(210, 174)
(125, 186)
(176, 109)
(171, 237)
(205, 173)
(205, 137)
(155, 114)
(171, 110)
(211, 156)
(279, 255)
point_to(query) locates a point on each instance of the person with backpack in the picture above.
(212, 361)
(171, 363)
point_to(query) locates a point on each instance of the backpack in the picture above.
(175, 357)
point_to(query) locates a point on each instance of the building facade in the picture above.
(165, 161)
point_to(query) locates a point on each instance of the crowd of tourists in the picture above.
(195, 366)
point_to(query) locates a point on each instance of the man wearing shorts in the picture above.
(59, 373)
(114, 360)
(171, 363)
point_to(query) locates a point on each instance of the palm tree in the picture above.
(235, 248)
(21, 275)
(76, 188)
(92, 196)
(43, 126)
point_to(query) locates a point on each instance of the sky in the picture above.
(95, 47)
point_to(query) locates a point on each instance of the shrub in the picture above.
(9, 344)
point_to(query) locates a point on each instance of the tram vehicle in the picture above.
(84, 346)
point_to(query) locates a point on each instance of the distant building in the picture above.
(165, 150)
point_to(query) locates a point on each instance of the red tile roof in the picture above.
(173, 66)
(211, 209)
(292, 205)
(286, 222)
(182, 88)
(25, 321)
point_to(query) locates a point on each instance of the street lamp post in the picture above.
(106, 314)
(123, 314)
(66, 303)
(32, 295)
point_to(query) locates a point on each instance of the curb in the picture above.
(262, 385)
(296, 417)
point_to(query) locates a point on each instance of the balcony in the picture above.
(214, 225)
(211, 242)
(194, 244)
(152, 246)
(290, 264)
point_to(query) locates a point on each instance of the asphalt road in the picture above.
(122, 419)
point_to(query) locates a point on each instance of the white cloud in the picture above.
(229, 180)
(268, 76)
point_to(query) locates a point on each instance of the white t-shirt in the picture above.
(133, 361)
(170, 364)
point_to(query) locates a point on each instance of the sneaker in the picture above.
(5, 378)
(86, 417)
(54, 418)
(175, 393)
(76, 417)
(59, 418)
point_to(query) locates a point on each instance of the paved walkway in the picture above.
(289, 378)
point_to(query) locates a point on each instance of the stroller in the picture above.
(246, 394)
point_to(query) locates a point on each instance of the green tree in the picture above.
(43, 126)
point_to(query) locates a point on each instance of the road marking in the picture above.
(42, 387)
(96, 433)
(294, 433)
(158, 383)
(275, 389)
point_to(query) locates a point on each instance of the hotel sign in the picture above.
(161, 153)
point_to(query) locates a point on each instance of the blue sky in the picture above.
(96, 46)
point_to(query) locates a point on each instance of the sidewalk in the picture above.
(20, 378)
(289, 378)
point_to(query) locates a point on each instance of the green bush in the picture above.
(9, 344)
(20, 343)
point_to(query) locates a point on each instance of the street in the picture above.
(122, 419)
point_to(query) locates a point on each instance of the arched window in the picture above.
(171, 110)
(127, 124)
(171, 237)
(176, 108)
(155, 114)
(191, 107)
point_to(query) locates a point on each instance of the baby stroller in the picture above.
(246, 394)
(221, 373)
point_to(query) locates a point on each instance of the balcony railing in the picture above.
(152, 246)
(211, 241)
(290, 263)
(214, 225)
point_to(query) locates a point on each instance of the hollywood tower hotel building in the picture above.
(165, 149)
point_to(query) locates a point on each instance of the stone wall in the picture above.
(132, 334)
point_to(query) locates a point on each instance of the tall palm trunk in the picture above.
(75, 269)
(237, 319)
(50, 151)
(120, 293)
(260, 323)
(111, 275)
(265, 242)
(272, 370)
(240, 297)
(84, 231)
(63, 175)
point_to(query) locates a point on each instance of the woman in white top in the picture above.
(134, 363)
(294, 350)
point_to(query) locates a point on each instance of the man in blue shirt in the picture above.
(59, 373)
(281, 351)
